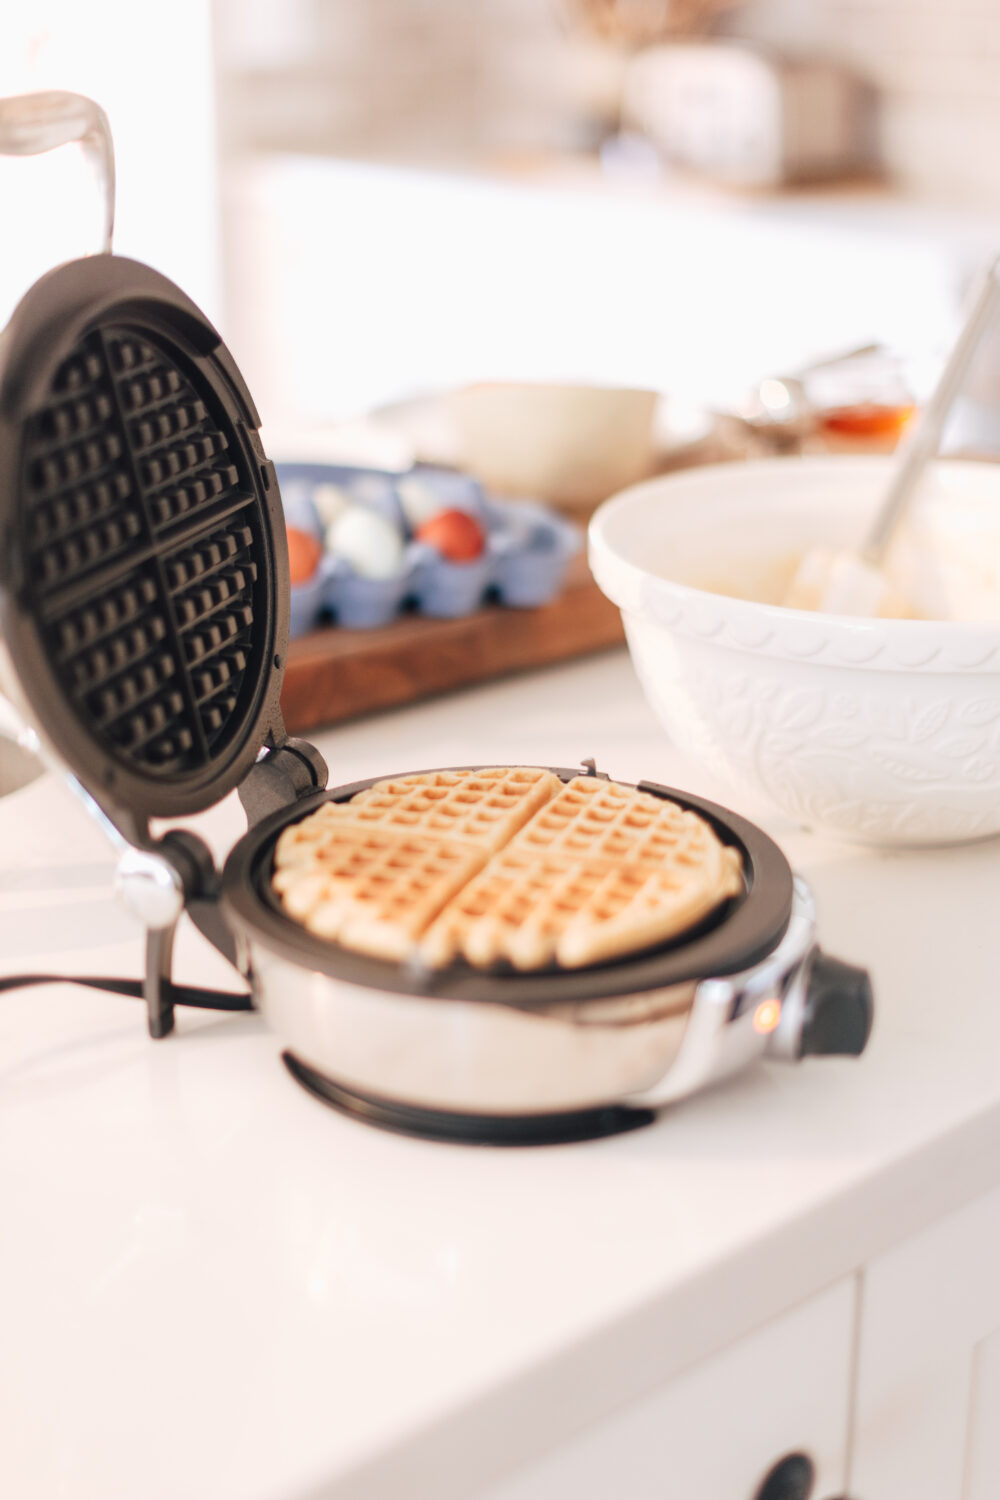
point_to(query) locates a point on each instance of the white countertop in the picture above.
(211, 1286)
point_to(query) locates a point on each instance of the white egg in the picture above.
(330, 500)
(419, 501)
(370, 543)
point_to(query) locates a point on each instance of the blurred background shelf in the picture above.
(335, 674)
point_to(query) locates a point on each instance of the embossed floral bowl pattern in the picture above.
(879, 731)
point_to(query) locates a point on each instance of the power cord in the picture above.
(180, 994)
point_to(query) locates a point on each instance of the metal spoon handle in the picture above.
(921, 442)
(32, 123)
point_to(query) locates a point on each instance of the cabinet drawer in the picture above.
(983, 1452)
(928, 1389)
(714, 1432)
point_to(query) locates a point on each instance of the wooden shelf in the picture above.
(335, 674)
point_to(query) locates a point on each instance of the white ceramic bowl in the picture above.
(572, 445)
(880, 731)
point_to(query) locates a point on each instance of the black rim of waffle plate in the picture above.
(143, 576)
(738, 936)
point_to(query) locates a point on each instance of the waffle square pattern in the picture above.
(485, 807)
(506, 863)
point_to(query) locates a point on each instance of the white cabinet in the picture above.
(927, 1417)
(983, 1461)
(714, 1432)
(905, 1357)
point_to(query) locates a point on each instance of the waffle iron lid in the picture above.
(143, 559)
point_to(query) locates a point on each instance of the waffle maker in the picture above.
(144, 619)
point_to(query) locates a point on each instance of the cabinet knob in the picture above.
(791, 1478)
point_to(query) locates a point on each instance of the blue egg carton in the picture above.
(523, 565)
(306, 602)
(372, 487)
(362, 603)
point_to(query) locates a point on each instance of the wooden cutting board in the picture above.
(335, 674)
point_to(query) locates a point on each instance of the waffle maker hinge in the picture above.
(161, 880)
(282, 775)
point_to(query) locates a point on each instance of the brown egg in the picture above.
(304, 553)
(456, 535)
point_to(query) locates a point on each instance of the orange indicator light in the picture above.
(766, 1016)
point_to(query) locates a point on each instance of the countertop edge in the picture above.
(463, 1453)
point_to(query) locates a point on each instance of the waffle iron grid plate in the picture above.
(141, 582)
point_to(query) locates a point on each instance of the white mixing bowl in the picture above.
(880, 731)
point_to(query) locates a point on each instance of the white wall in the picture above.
(358, 284)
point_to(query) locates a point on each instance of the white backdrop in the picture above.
(150, 67)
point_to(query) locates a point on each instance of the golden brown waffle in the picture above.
(600, 871)
(372, 891)
(507, 863)
(485, 807)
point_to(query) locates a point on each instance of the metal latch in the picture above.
(590, 768)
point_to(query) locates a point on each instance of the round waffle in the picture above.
(502, 864)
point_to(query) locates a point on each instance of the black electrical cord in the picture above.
(180, 994)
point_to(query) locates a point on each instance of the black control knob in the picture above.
(791, 1478)
(838, 1008)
